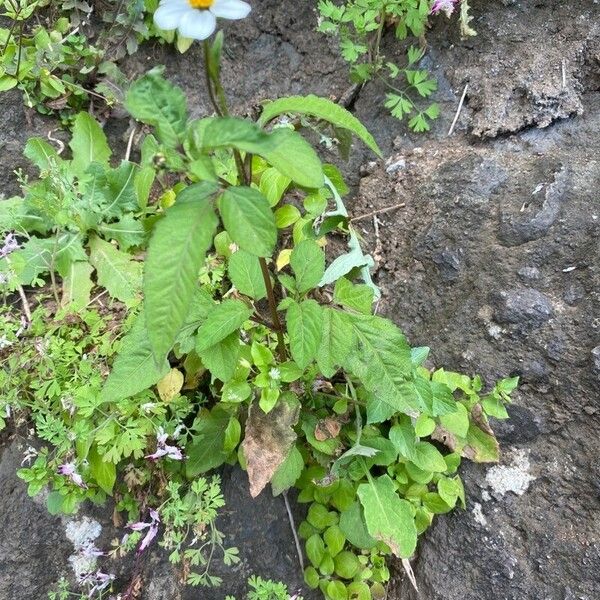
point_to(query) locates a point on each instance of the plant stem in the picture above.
(273, 308)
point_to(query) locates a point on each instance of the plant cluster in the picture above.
(360, 24)
(242, 337)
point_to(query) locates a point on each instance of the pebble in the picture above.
(524, 306)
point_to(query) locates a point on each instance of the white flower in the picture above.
(197, 19)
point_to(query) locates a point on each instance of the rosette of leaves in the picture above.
(293, 374)
(80, 221)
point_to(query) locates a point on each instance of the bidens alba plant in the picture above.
(273, 342)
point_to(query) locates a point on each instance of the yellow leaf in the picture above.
(170, 385)
(283, 260)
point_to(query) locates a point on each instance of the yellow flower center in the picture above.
(202, 4)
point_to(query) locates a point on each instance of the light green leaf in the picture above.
(388, 518)
(77, 286)
(121, 276)
(381, 360)
(273, 185)
(246, 275)
(249, 220)
(288, 472)
(135, 368)
(308, 263)
(221, 359)
(321, 108)
(337, 340)
(354, 528)
(154, 100)
(286, 215)
(105, 473)
(305, 328)
(428, 458)
(206, 450)
(176, 252)
(119, 190)
(358, 297)
(456, 422)
(41, 154)
(403, 436)
(223, 320)
(88, 144)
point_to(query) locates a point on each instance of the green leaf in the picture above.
(249, 220)
(221, 359)
(176, 252)
(335, 540)
(273, 185)
(206, 450)
(119, 190)
(284, 149)
(388, 518)
(321, 108)
(381, 360)
(246, 275)
(346, 564)
(434, 503)
(128, 232)
(358, 297)
(424, 426)
(134, 368)
(288, 472)
(456, 422)
(286, 215)
(308, 263)
(155, 101)
(121, 276)
(88, 144)
(105, 473)
(305, 328)
(41, 154)
(337, 340)
(223, 320)
(77, 286)
(428, 458)
(403, 436)
(315, 549)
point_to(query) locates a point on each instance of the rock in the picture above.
(596, 360)
(524, 306)
(529, 273)
(574, 294)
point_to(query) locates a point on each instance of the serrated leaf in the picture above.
(246, 275)
(268, 440)
(223, 320)
(321, 108)
(135, 368)
(154, 100)
(308, 263)
(121, 276)
(336, 342)
(221, 359)
(388, 518)
(358, 297)
(288, 472)
(305, 328)
(249, 220)
(88, 144)
(381, 360)
(118, 189)
(176, 252)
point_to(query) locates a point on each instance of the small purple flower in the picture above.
(164, 449)
(152, 528)
(446, 6)
(69, 470)
(97, 581)
(10, 245)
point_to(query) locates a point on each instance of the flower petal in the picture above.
(198, 25)
(231, 9)
(170, 13)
